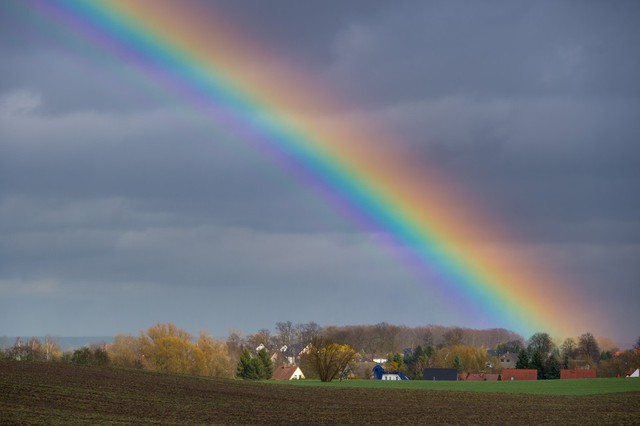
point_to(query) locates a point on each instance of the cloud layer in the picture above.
(119, 207)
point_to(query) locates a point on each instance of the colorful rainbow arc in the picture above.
(213, 67)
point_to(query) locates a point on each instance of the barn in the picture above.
(478, 377)
(440, 374)
(577, 374)
(519, 374)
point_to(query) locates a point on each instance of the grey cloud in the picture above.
(212, 176)
(119, 201)
(431, 49)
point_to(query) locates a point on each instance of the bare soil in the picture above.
(55, 393)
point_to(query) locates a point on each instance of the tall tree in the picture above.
(165, 347)
(216, 357)
(418, 361)
(286, 333)
(537, 362)
(307, 332)
(457, 363)
(254, 368)
(588, 346)
(51, 349)
(540, 342)
(234, 344)
(267, 365)
(512, 346)
(328, 359)
(262, 337)
(396, 362)
(568, 348)
(125, 351)
(523, 359)
(453, 337)
(246, 368)
(552, 368)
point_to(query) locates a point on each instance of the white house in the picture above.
(390, 376)
(287, 373)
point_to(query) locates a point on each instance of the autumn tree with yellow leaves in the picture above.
(167, 348)
(328, 359)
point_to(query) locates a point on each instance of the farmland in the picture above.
(56, 393)
(535, 387)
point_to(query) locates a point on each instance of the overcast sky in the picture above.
(121, 208)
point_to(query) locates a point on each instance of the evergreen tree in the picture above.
(255, 368)
(256, 371)
(246, 369)
(523, 359)
(267, 365)
(537, 362)
(415, 363)
(457, 363)
(552, 368)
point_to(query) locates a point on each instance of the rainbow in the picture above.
(460, 253)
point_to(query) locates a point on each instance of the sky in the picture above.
(120, 207)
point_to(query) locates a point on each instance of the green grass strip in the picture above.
(539, 387)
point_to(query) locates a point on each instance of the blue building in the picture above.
(380, 374)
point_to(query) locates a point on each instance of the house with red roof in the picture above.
(283, 372)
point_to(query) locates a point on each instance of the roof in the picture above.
(519, 374)
(440, 374)
(284, 373)
(577, 374)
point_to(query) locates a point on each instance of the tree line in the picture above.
(334, 352)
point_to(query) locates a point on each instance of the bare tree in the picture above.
(286, 333)
(568, 348)
(51, 348)
(588, 346)
(454, 337)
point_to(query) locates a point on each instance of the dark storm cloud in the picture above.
(113, 193)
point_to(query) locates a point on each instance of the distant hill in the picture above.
(65, 343)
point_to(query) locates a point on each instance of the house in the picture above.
(577, 374)
(380, 374)
(508, 360)
(519, 374)
(390, 376)
(440, 374)
(287, 373)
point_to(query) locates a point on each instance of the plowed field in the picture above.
(52, 393)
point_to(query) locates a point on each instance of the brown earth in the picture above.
(55, 393)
